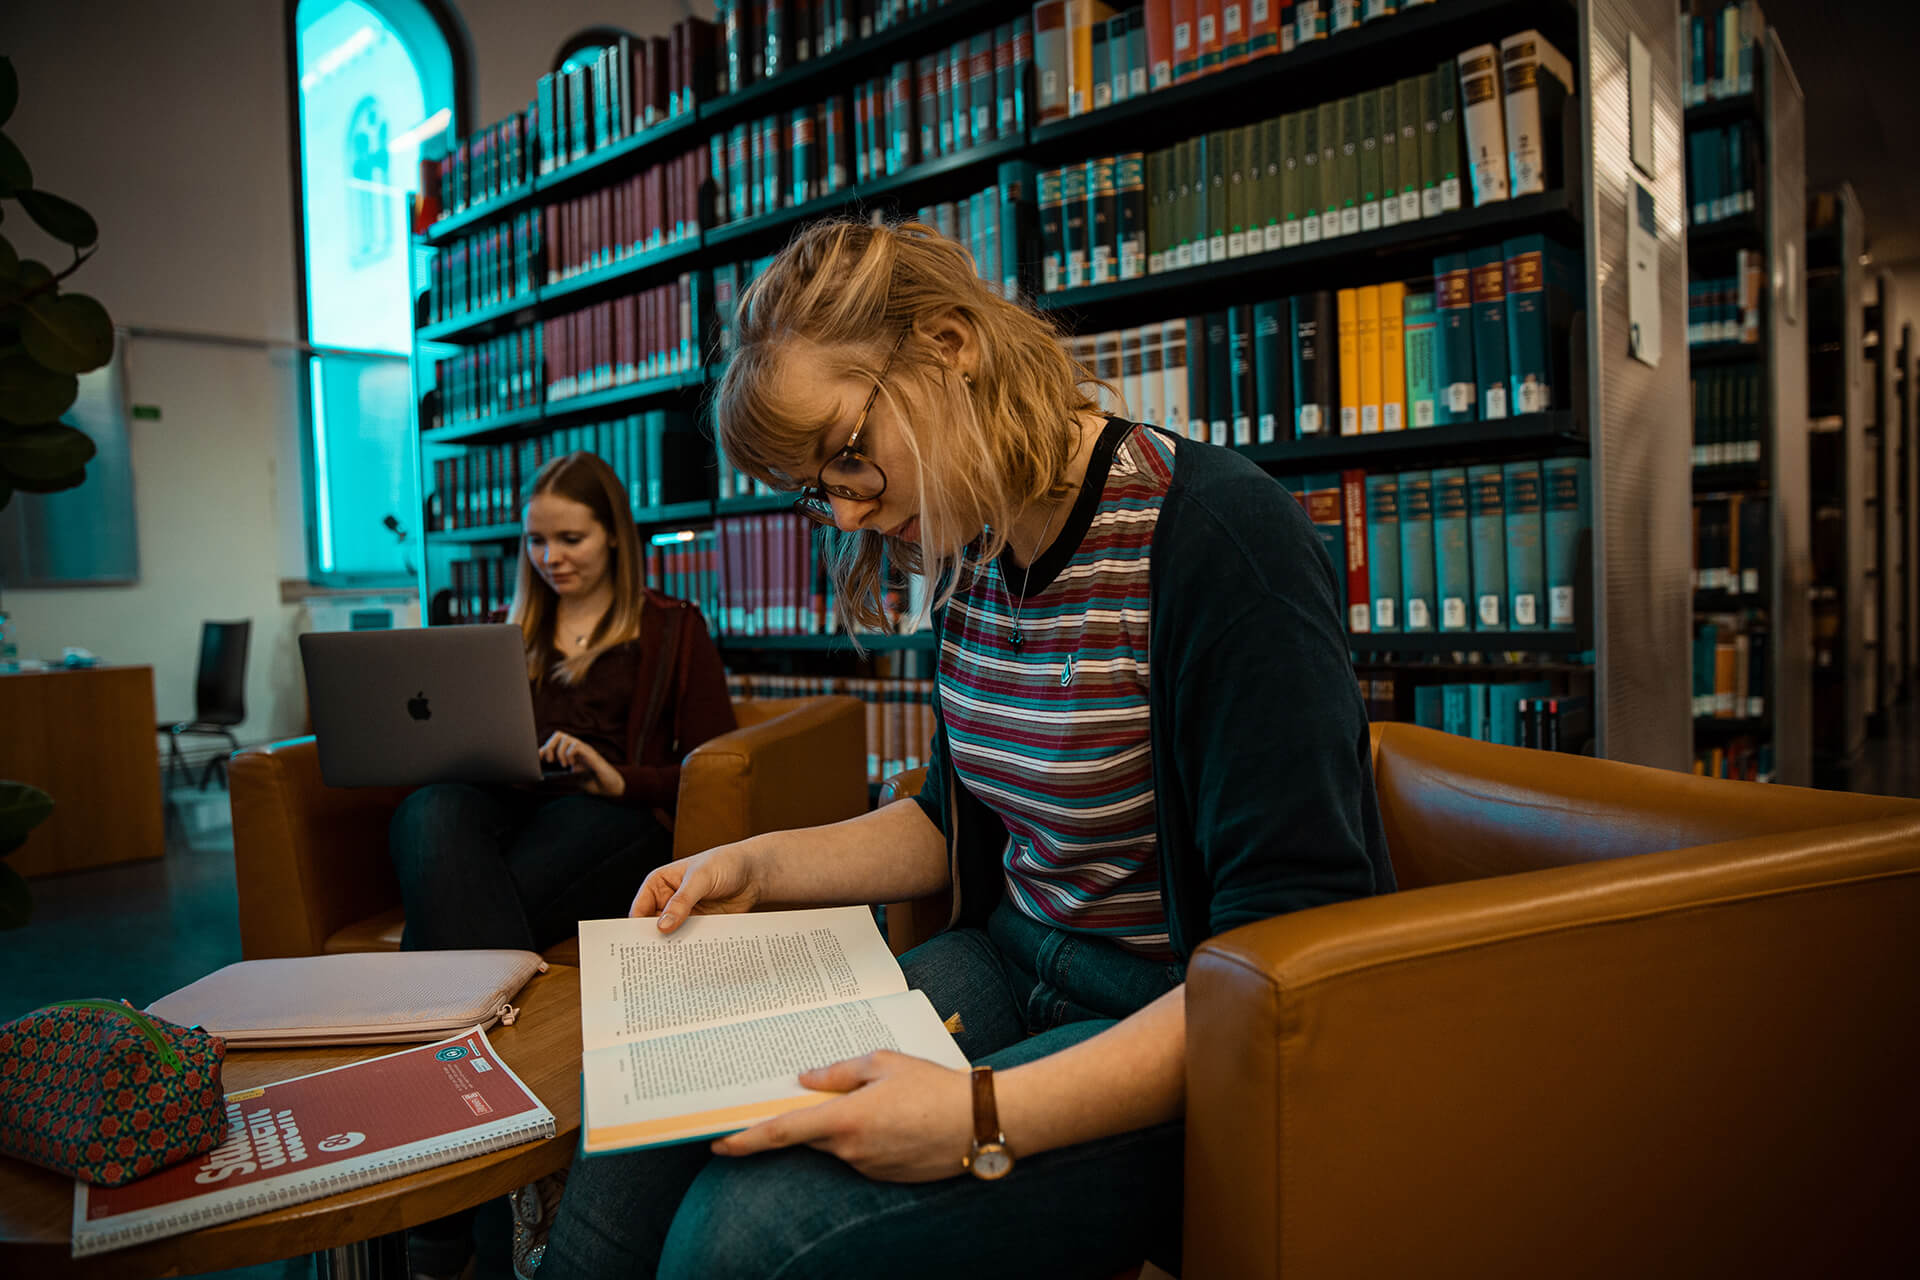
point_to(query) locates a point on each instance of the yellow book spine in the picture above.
(1349, 317)
(1368, 300)
(1081, 15)
(1393, 357)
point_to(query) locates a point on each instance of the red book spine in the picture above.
(1353, 515)
(1185, 43)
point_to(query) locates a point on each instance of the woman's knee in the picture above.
(428, 819)
(785, 1212)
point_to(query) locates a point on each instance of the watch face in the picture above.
(991, 1160)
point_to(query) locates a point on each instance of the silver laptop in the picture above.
(435, 704)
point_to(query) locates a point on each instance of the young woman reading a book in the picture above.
(625, 682)
(1148, 732)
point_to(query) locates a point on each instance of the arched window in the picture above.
(374, 80)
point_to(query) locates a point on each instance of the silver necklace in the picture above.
(1019, 634)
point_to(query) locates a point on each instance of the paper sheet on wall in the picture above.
(1643, 275)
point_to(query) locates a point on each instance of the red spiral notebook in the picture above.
(317, 1134)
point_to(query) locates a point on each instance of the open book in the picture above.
(704, 1030)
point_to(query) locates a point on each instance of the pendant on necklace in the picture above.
(1066, 673)
(1016, 639)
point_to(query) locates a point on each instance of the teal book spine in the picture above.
(1420, 325)
(1453, 562)
(1416, 550)
(1453, 709)
(1219, 401)
(1320, 495)
(1486, 512)
(1503, 714)
(1429, 706)
(1383, 548)
(1477, 712)
(1526, 571)
(1540, 304)
(1453, 351)
(1272, 372)
(1488, 267)
(1567, 520)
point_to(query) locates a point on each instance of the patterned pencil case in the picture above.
(105, 1093)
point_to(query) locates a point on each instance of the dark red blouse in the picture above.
(607, 708)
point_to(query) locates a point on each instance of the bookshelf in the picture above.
(1747, 361)
(1625, 653)
(1897, 377)
(1891, 535)
(1843, 488)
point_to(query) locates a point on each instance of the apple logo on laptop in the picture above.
(417, 707)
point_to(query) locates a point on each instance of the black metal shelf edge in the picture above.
(928, 170)
(1270, 74)
(1741, 231)
(622, 396)
(477, 215)
(918, 640)
(478, 323)
(486, 428)
(745, 228)
(1713, 600)
(1726, 352)
(583, 172)
(754, 505)
(818, 76)
(1473, 642)
(638, 265)
(1741, 106)
(1501, 218)
(479, 533)
(1745, 478)
(676, 513)
(1536, 429)
(1732, 725)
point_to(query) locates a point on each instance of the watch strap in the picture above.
(986, 1115)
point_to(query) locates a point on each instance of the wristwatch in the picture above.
(990, 1157)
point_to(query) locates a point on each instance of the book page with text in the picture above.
(680, 1085)
(637, 981)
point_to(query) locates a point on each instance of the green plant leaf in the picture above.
(16, 175)
(23, 807)
(68, 333)
(9, 260)
(44, 453)
(16, 899)
(34, 274)
(62, 219)
(30, 394)
(9, 89)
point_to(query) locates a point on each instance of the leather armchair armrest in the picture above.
(309, 859)
(803, 764)
(1685, 1062)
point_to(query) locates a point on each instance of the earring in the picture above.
(967, 378)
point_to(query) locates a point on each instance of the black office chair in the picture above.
(219, 697)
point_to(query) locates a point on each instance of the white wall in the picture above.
(169, 124)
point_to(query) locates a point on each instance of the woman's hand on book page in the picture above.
(721, 880)
(902, 1119)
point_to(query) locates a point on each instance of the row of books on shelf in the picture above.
(1722, 165)
(1719, 40)
(899, 718)
(1511, 713)
(1730, 544)
(1728, 415)
(1489, 547)
(1727, 308)
(1741, 758)
(658, 456)
(1730, 666)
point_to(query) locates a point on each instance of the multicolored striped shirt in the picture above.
(1052, 734)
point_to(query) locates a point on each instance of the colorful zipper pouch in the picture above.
(101, 1091)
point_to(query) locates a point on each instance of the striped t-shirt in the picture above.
(1052, 735)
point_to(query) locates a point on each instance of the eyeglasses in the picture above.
(849, 473)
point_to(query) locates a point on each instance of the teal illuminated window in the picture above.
(376, 80)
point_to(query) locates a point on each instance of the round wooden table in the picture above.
(542, 1047)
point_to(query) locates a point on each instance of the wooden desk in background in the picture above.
(85, 736)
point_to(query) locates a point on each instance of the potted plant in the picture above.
(48, 338)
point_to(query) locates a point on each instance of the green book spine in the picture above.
(1130, 206)
(1292, 178)
(1329, 169)
(1236, 192)
(1017, 193)
(1073, 223)
(1389, 135)
(1383, 548)
(1430, 142)
(1272, 373)
(1220, 379)
(1312, 224)
(1368, 111)
(1053, 261)
(1240, 344)
(1411, 112)
(1452, 559)
(1156, 213)
(1199, 357)
(1453, 365)
(1102, 222)
(1217, 193)
(1566, 521)
(1446, 77)
(1421, 331)
(1268, 199)
(1489, 271)
(1349, 165)
(1486, 510)
(1180, 230)
(1416, 550)
(1525, 570)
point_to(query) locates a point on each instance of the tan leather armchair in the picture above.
(311, 860)
(1618, 1021)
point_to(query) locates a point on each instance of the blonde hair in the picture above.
(848, 290)
(586, 479)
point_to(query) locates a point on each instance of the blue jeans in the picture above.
(1090, 1209)
(502, 867)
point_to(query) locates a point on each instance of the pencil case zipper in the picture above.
(141, 1022)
